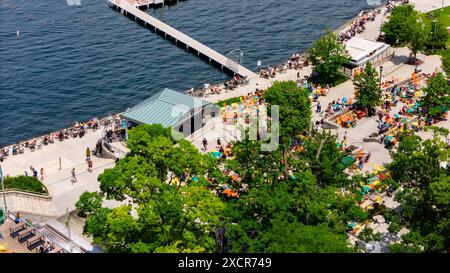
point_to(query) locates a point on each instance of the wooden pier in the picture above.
(145, 3)
(181, 39)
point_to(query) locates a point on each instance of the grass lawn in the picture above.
(443, 15)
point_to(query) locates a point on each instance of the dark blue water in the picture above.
(71, 63)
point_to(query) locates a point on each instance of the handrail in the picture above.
(9, 213)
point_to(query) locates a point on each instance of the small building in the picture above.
(363, 51)
(170, 108)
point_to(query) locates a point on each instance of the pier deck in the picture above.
(144, 3)
(183, 38)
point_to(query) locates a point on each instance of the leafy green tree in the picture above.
(161, 214)
(445, 57)
(438, 37)
(255, 166)
(418, 38)
(425, 195)
(294, 237)
(323, 156)
(437, 96)
(401, 25)
(88, 203)
(416, 162)
(251, 219)
(368, 91)
(294, 113)
(328, 55)
(294, 106)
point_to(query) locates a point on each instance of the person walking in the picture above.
(42, 174)
(89, 163)
(74, 177)
(205, 144)
(219, 143)
(88, 152)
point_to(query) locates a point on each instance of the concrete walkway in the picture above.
(394, 68)
(72, 151)
(58, 181)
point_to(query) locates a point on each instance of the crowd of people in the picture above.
(297, 61)
(242, 111)
(269, 72)
(207, 88)
(235, 82)
(410, 116)
(346, 119)
(139, 2)
(358, 25)
(79, 130)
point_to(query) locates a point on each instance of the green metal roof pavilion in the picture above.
(167, 108)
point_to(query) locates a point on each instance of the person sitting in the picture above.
(48, 247)
(17, 218)
(42, 248)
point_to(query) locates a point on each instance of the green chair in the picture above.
(2, 217)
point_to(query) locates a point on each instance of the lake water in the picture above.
(71, 63)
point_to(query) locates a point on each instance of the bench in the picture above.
(56, 250)
(16, 227)
(25, 232)
(34, 239)
(52, 245)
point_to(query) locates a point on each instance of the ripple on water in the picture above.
(74, 62)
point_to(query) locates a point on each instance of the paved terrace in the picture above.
(11, 244)
(64, 194)
(395, 68)
(72, 151)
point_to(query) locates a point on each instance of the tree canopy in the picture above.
(426, 193)
(328, 55)
(168, 209)
(445, 57)
(418, 37)
(315, 217)
(401, 25)
(167, 205)
(437, 96)
(421, 32)
(294, 108)
(294, 113)
(367, 89)
(438, 35)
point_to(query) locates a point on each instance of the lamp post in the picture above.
(234, 59)
(434, 32)
(381, 73)
(3, 190)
